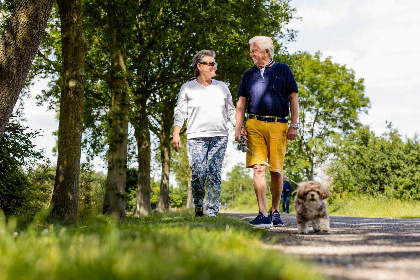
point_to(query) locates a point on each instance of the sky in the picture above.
(375, 38)
(378, 39)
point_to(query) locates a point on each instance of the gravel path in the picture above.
(355, 248)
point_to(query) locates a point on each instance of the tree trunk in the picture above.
(114, 202)
(18, 47)
(66, 187)
(165, 156)
(142, 133)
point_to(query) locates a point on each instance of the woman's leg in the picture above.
(197, 158)
(215, 156)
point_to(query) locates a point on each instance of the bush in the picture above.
(16, 150)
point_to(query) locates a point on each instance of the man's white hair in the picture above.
(265, 43)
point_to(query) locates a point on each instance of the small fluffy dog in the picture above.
(310, 205)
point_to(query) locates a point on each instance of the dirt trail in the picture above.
(355, 248)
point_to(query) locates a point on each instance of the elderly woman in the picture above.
(206, 103)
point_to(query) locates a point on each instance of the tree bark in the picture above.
(18, 47)
(114, 202)
(143, 207)
(165, 155)
(66, 187)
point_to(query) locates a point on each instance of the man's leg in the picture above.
(260, 187)
(276, 190)
(287, 203)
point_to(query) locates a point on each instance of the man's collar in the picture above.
(269, 64)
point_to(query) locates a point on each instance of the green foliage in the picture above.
(180, 165)
(377, 166)
(154, 196)
(330, 101)
(173, 246)
(41, 185)
(177, 197)
(91, 191)
(131, 190)
(16, 150)
(238, 189)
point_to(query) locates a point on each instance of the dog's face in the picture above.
(312, 192)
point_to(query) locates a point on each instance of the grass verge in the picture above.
(374, 207)
(171, 246)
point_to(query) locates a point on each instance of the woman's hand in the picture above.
(176, 140)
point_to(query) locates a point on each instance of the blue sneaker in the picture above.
(275, 218)
(261, 221)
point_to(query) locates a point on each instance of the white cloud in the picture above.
(316, 16)
(377, 39)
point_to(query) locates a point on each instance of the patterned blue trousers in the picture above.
(205, 156)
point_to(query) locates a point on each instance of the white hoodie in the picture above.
(206, 108)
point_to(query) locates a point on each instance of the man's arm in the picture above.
(294, 112)
(240, 132)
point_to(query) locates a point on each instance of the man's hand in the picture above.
(294, 114)
(240, 131)
(292, 133)
(241, 134)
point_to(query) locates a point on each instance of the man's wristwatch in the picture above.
(295, 126)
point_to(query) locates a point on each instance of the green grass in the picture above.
(171, 246)
(374, 207)
(359, 207)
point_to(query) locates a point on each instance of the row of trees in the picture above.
(363, 164)
(122, 62)
(385, 165)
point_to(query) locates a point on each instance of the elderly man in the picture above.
(268, 91)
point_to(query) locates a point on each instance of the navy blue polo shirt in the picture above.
(267, 94)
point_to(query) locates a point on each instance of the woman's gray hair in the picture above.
(264, 42)
(198, 57)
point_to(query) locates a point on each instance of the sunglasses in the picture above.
(209, 63)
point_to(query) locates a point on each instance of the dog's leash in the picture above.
(243, 148)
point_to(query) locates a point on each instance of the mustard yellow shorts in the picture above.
(268, 140)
